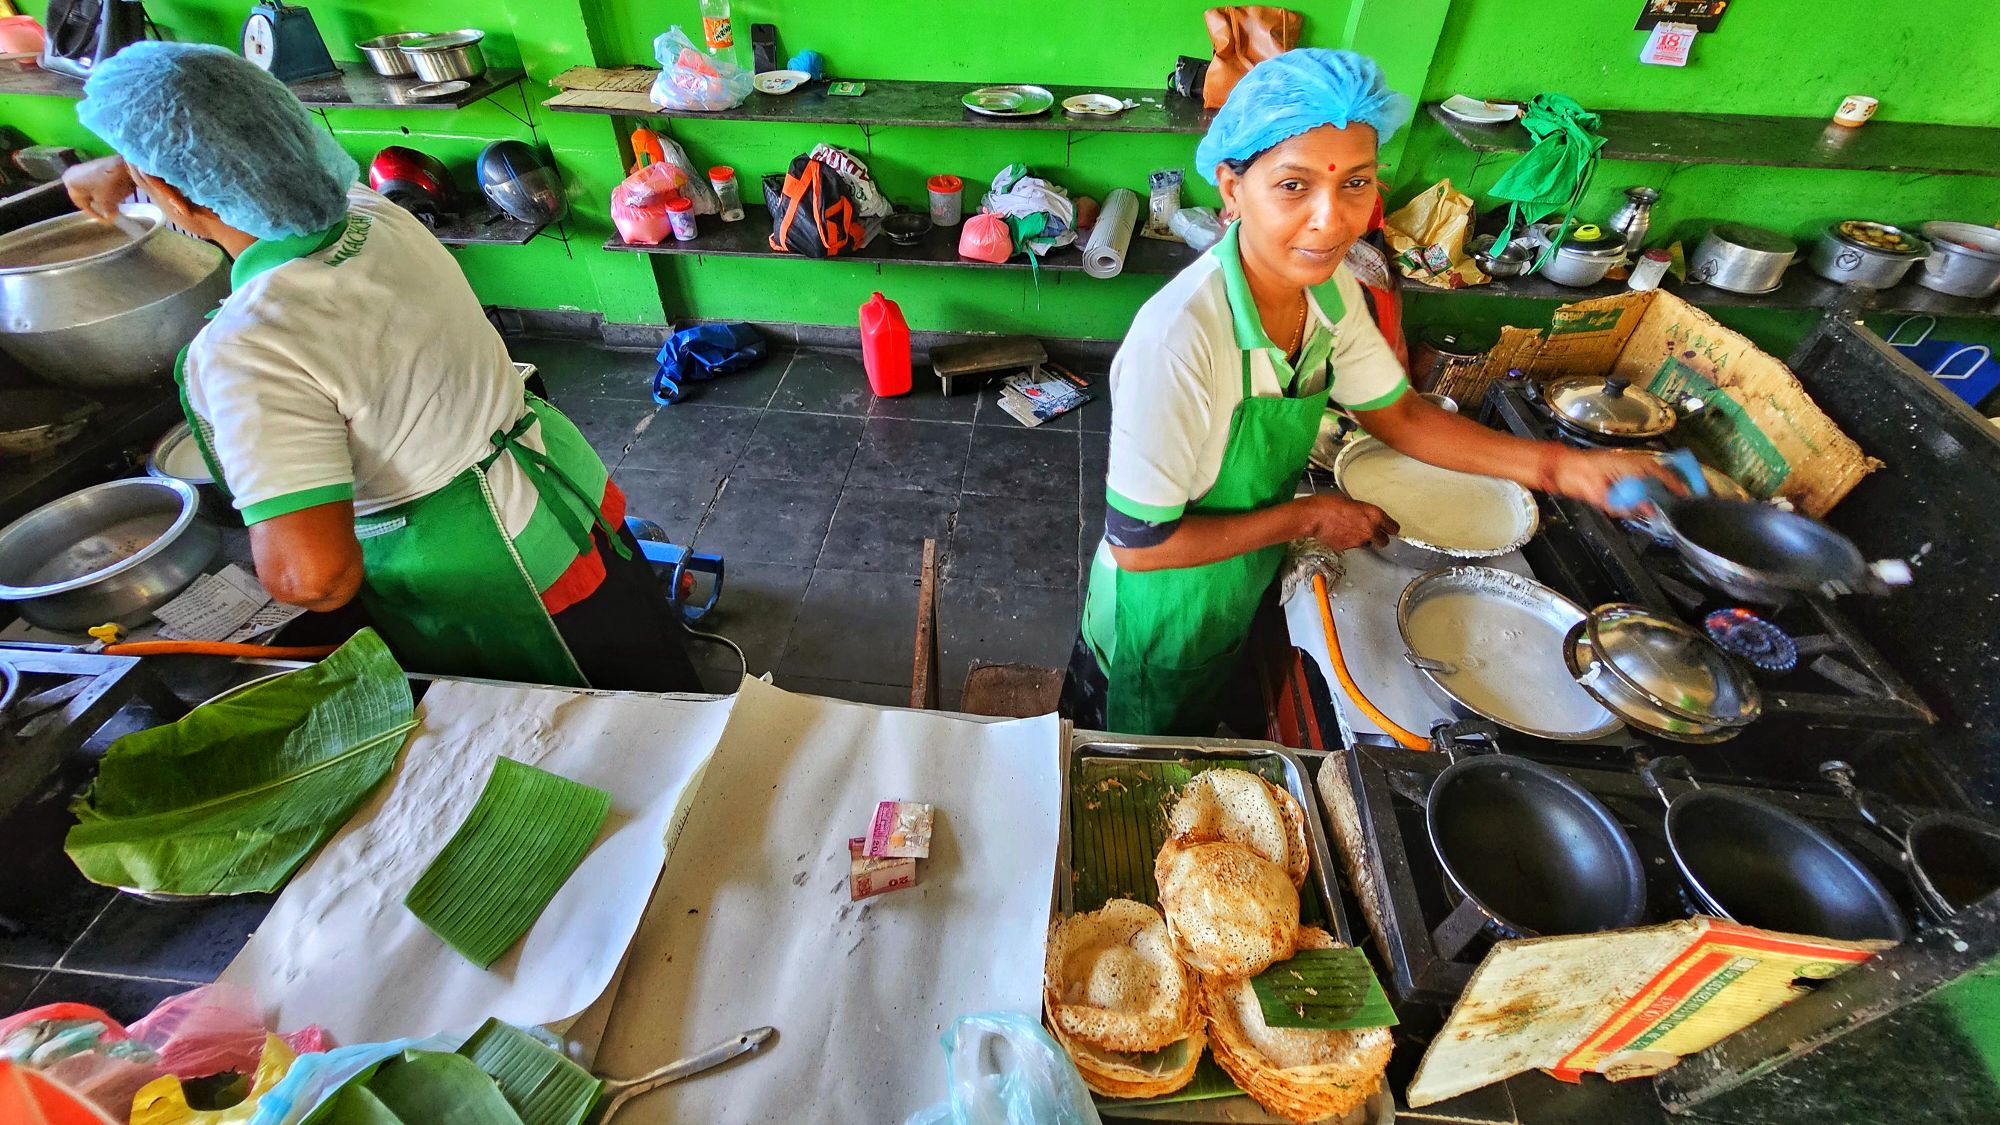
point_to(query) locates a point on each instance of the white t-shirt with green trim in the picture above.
(365, 368)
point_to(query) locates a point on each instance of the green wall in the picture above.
(1770, 56)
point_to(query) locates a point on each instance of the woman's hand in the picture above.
(1341, 523)
(1587, 474)
(97, 187)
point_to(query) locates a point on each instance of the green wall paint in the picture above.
(1770, 56)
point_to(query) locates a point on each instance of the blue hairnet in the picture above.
(1295, 92)
(227, 134)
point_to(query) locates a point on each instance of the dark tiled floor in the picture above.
(819, 496)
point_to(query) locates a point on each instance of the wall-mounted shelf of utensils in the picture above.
(353, 88)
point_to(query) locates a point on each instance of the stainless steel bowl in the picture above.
(1742, 258)
(385, 55)
(1519, 504)
(1512, 671)
(441, 58)
(113, 552)
(88, 305)
(1964, 261)
(1840, 256)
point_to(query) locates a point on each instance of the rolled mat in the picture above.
(1104, 254)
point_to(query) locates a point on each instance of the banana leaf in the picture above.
(235, 796)
(543, 1086)
(419, 1088)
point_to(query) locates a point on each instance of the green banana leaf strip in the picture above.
(521, 842)
(354, 1104)
(240, 792)
(1324, 989)
(419, 1088)
(543, 1087)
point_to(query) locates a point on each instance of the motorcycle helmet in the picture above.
(415, 181)
(521, 182)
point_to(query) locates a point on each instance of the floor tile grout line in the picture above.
(105, 974)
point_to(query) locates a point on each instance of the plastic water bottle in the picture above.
(885, 347)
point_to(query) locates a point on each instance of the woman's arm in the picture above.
(1419, 427)
(309, 557)
(1198, 539)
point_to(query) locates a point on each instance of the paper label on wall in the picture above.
(1668, 45)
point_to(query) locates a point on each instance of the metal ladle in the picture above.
(623, 1090)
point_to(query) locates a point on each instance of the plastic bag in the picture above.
(314, 1078)
(1003, 1069)
(1428, 236)
(214, 1029)
(985, 238)
(82, 1048)
(163, 1101)
(692, 79)
(639, 204)
(30, 1097)
(1198, 227)
(698, 354)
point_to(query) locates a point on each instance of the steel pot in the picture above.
(35, 421)
(1742, 258)
(1519, 681)
(177, 456)
(385, 55)
(1530, 851)
(441, 58)
(1752, 863)
(1660, 676)
(1964, 261)
(1584, 257)
(1843, 254)
(113, 552)
(1610, 411)
(88, 305)
(1521, 513)
(1953, 860)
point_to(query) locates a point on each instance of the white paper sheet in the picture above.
(752, 924)
(339, 948)
(1364, 610)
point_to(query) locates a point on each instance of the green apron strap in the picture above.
(548, 477)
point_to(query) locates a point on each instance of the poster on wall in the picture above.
(1703, 14)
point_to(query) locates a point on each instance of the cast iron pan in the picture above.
(1752, 863)
(1530, 850)
(1953, 860)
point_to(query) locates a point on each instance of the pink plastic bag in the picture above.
(985, 238)
(214, 1029)
(639, 205)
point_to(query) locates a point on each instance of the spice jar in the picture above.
(946, 193)
(1652, 266)
(680, 215)
(723, 179)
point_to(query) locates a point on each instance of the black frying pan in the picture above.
(1953, 860)
(1749, 862)
(1531, 852)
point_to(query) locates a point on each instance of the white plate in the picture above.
(1477, 112)
(1093, 105)
(781, 81)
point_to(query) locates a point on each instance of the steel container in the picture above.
(442, 58)
(1580, 262)
(385, 53)
(1839, 256)
(89, 305)
(1741, 258)
(113, 552)
(1964, 261)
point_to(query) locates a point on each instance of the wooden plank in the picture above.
(923, 669)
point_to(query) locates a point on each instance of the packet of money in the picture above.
(867, 877)
(901, 830)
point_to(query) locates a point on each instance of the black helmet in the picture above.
(519, 181)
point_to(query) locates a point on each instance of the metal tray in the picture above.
(1143, 769)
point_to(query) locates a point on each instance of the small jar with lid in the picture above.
(723, 179)
(1652, 266)
(680, 215)
(947, 200)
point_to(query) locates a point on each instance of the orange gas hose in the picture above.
(1353, 690)
(216, 648)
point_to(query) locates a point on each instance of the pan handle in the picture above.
(1653, 772)
(1473, 736)
(1883, 815)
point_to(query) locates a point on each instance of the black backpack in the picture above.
(812, 212)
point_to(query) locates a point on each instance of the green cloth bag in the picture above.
(1553, 175)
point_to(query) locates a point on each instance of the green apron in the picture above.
(1180, 631)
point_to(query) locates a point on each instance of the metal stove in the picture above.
(54, 703)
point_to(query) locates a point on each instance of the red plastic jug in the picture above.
(885, 347)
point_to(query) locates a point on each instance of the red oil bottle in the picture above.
(885, 347)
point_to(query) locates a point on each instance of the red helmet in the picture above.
(415, 181)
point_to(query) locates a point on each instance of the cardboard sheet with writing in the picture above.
(752, 924)
(1759, 425)
(1624, 1004)
(339, 949)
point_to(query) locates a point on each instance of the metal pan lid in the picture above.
(1674, 667)
(1595, 241)
(1612, 407)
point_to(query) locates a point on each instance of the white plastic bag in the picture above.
(1003, 1069)
(1199, 227)
(692, 79)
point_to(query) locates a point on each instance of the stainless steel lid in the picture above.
(446, 41)
(1754, 238)
(1592, 241)
(1612, 407)
(1880, 239)
(1672, 666)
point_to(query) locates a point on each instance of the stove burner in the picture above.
(1739, 632)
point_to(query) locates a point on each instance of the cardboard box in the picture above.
(1624, 1004)
(1759, 426)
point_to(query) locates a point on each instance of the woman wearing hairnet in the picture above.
(357, 405)
(1217, 393)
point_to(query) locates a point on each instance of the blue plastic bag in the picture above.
(1003, 1069)
(698, 354)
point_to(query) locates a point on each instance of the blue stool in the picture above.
(680, 565)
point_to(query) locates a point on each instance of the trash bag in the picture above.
(639, 204)
(698, 354)
(986, 238)
(812, 211)
(1003, 1069)
(692, 79)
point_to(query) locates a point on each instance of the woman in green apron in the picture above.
(353, 399)
(1218, 391)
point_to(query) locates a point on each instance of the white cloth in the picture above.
(368, 363)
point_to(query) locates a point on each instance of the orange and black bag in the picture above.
(812, 212)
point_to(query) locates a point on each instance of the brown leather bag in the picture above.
(1244, 37)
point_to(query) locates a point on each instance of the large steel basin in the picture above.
(113, 552)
